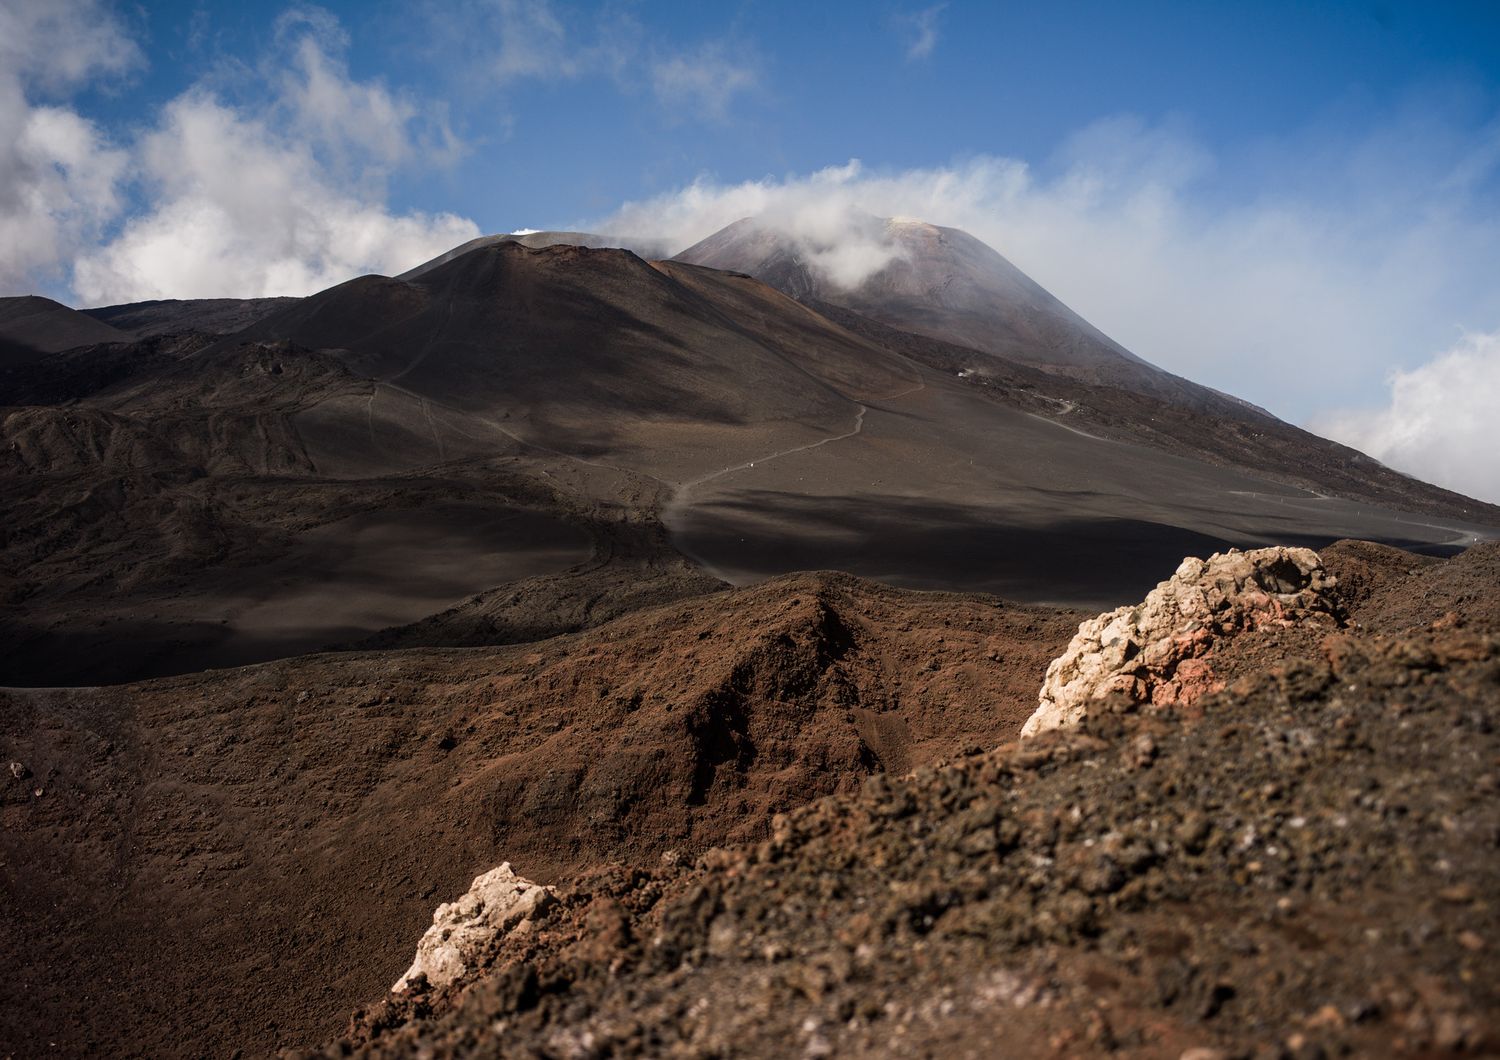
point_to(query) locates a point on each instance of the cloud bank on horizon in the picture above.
(272, 175)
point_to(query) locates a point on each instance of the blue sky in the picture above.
(834, 81)
(1297, 203)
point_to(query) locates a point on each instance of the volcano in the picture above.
(944, 284)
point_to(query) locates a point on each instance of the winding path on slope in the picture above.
(677, 504)
(679, 500)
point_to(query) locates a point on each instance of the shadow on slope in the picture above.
(928, 544)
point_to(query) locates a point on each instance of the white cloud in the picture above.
(1337, 267)
(327, 107)
(284, 198)
(59, 184)
(920, 31)
(59, 176)
(1439, 423)
(242, 211)
(704, 81)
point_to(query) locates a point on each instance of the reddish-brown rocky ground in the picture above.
(1305, 866)
(236, 859)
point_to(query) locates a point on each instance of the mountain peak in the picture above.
(920, 277)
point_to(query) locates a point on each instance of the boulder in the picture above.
(1156, 651)
(497, 903)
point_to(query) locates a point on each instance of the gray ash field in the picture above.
(614, 416)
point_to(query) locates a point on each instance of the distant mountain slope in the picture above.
(597, 352)
(31, 325)
(535, 439)
(945, 284)
(211, 316)
(796, 443)
(1240, 436)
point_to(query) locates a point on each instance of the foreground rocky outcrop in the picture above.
(1155, 651)
(1300, 867)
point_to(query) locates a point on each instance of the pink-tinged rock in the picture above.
(1156, 651)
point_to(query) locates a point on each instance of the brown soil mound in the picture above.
(1391, 591)
(236, 859)
(1308, 871)
(1379, 590)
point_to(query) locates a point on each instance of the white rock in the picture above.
(496, 904)
(1153, 651)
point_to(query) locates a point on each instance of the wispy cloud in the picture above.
(530, 41)
(920, 31)
(321, 104)
(704, 81)
(507, 41)
(56, 45)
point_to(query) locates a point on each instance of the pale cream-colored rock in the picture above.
(1154, 651)
(497, 903)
